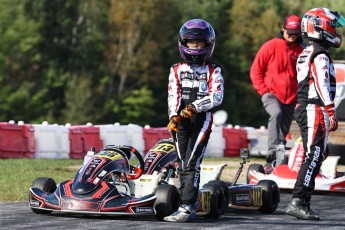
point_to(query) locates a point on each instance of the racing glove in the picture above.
(172, 126)
(188, 111)
(333, 121)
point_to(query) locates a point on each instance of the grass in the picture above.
(17, 175)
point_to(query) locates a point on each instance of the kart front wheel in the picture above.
(167, 202)
(256, 167)
(47, 185)
(270, 196)
(217, 201)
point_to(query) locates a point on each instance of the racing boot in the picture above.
(268, 167)
(270, 159)
(183, 214)
(298, 208)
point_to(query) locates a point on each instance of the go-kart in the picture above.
(160, 168)
(107, 184)
(328, 179)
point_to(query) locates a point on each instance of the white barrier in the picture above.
(258, 141)
(52, 141)
(117, 134)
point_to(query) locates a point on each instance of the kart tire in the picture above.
(167, 201)
(217, 200)
(337, 150)
(270, 196)
(225, 187)
(47, 185)
(256, 167)
(228, 184)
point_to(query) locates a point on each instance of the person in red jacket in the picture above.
(273, 74)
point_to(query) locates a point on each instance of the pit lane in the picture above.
(330, 207)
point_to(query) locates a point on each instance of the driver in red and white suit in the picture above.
(195, 87)
(315, 110)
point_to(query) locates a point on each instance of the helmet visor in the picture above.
(195, 33)
(340, 21)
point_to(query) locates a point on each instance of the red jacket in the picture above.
(274, 69)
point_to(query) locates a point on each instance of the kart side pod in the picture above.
(264, 196)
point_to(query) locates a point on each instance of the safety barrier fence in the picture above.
(73, 141)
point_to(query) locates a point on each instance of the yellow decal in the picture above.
(207, 169)
(163, 147)
(205, 200)
(257, 196)
(112, 155)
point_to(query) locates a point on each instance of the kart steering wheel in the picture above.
(137, 170)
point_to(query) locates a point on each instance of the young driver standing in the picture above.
(315, 111)
(195, 87)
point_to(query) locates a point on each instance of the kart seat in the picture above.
(210, 172)
(144, 185)
(329, 167)
(123, 188)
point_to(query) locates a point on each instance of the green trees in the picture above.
(108, 61)
(18, 58)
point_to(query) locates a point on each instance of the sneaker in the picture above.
(298, 208)
(183, 214)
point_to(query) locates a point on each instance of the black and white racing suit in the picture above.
(316, 92)
(202, 86)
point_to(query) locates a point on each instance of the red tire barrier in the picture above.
(235, 139)
(82, 138)
(153, 135)
(17, 141)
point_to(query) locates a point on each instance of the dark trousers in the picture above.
(192, 139)
(313, 123)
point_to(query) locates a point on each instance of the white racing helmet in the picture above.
(320, 23)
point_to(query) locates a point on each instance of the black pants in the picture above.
(192, 139)
(313, 122)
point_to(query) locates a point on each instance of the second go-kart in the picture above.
(329, 179)
(160, 168)
(107, 185)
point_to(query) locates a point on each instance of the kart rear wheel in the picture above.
(256, 167)
(217, 200)
(337, 150)
(167, 202)
(225, 187)
(270, 196)
(47, 185)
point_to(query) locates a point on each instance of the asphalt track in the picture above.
(331, 209)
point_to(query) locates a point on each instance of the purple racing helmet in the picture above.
(196, 29)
